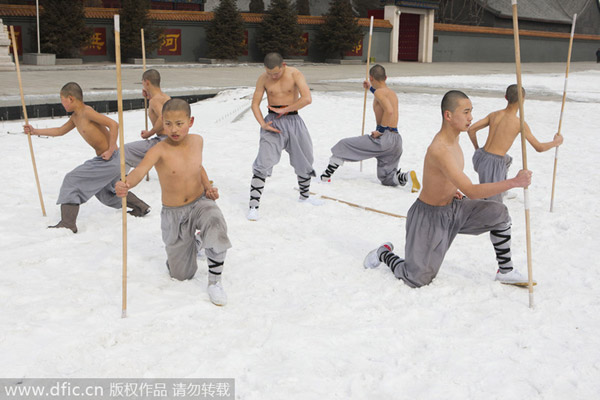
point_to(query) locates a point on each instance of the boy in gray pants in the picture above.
(282, 129)
(190, 217)
(384, 143)
(491, 162)
(441, 211)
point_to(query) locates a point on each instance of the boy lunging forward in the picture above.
(190, 218)
(441, 212)
(97, 176)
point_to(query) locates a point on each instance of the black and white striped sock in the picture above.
(390, 259)
(329, 171)
(304, 186)
(215, 268)
(256, 188)
(501, 241)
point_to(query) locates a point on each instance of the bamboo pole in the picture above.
(37, 179)
(357, 205)
(367, 78)
(562, 109)
(523, 148)
(122, 157)
(145, 99)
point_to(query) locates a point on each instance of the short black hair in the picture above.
(152, 76)
(72, 89)
(451, 99)
(377, 72)
(273, 60)
(177, 105)
(512, 93)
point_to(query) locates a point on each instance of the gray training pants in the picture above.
(135, 151)
(95, 177)
(430, 231)
(179, 226)
(491, 168)
(387, 149)
(294, 138)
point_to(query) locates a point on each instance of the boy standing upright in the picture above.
(491, 162)
(441, 212)
(95, 177)
(282, 129)
(135, 151)
(190, 218)
(384, 143)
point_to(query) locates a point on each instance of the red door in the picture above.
(408, 40)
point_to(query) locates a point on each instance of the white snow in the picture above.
(305, 320)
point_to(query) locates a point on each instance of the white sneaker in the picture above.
(315, 201)
(252, 214)
(372, 259)
(217, 294)
(513, 277)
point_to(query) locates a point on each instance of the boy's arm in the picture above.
(113, 130)
(472, 131)
(157, 126)
(541, 147)
(256, 99)
(305, 96)
(139, 172)
(447, 164)
(68, 126)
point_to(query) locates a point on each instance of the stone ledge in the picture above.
(148, 61)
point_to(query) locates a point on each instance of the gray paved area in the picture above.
(41, 84)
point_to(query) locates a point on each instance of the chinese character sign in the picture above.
(356, 51)
(97, 46)
(303, 49)
(171, 43)
(19, 39)
(245, 43)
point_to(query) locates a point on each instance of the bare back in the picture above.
(504, 126)
(95, 134)
(179, 168)
(155, 106)
(386, 94)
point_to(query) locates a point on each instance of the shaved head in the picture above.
(512, 93)
(273, 60)
(451, 100)
(378, 72)
(72, 89)
(177, 105)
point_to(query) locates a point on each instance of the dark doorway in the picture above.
(408, 40)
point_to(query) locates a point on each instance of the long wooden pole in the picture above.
(357, 205)
(562, 109)
(523, 148)
(37, 179)
(122, 157)
(145, 99)
(367, 78)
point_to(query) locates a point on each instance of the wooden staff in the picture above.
(145, 99)
(562, 109)
(122, 156)
(523, 148)
(356, 205)
(37, 180)
(367, 78)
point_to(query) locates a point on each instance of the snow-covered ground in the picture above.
(305, 320)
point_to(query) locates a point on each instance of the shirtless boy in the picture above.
(441, 211)
(135, 151)
(491, 162)
(190, 218)
(282, 129)
(95, 177)
(384, 143)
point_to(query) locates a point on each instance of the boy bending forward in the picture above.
(190, 218)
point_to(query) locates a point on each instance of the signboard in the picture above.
(356, 51)
(97, 46)
(303, 49)
(19, 39)
(171, 43)
(245, 43)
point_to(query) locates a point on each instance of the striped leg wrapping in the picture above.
(402, 177)
(304, 185)
(256, 188)
(501, 241)
(215, 268)
(390, 259)
(329, 171)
